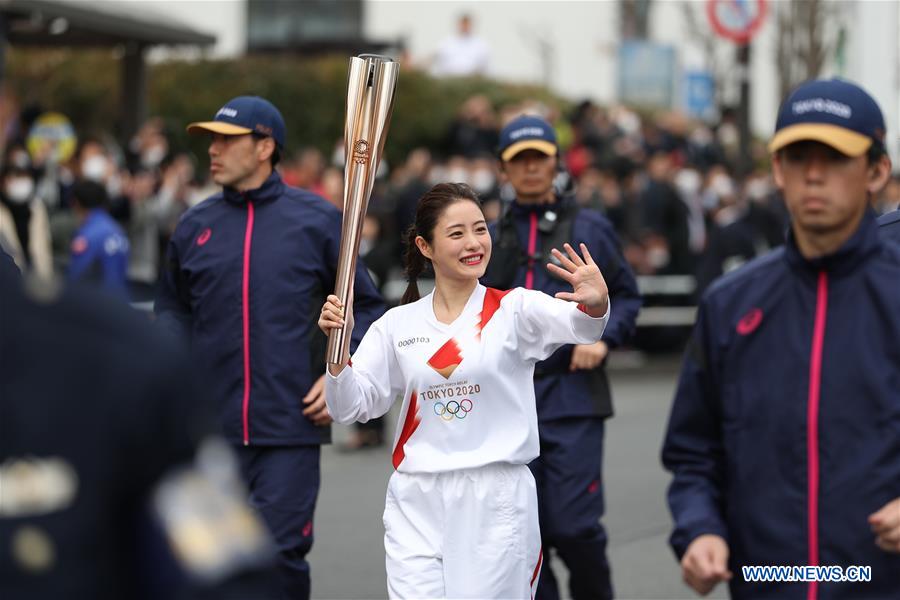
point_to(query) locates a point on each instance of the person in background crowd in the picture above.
(305, 171)
(95, 162)
(462, 54)
(744, 228)
(99, 250)
(149, 148)
(665, 218)
(24, 225)
(177, 188)
(149, 209)
(473, 133)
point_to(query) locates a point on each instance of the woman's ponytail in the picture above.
(413, 266)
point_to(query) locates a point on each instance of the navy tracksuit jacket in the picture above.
(246, 278)
(784, 434)
(574, 396)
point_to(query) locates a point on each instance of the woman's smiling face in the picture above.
(461, 244)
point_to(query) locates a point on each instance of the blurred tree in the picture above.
(803, 39)
(311, 93)
(635, 19)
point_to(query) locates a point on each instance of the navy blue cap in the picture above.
(831, 111)
(527, 133)
(245, 114)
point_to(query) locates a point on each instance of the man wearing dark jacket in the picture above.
(784, 436)
(102, 485)
(572, 391)
(248, 270)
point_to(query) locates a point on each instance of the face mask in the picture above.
(458, 175)
(151, 158)
(437, 175)
(757, 189)
(19, 189)
(688, 182)
(483, 181)
(94, 168)
(722, 186)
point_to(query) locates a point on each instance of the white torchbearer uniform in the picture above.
(461, 517)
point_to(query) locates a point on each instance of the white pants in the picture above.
(471, 533)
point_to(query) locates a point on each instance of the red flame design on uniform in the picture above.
(410, 423)
(492, 300)
(446, 359)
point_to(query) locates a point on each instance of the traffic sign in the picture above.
(736, 20)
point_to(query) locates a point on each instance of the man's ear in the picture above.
(503, 176)
(423, 247)
(777, 175)
(265, 148)
(879, 174)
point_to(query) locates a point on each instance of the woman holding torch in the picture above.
(461, 516)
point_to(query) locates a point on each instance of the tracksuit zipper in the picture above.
(812, 427)
(245, 309)
(532, 248)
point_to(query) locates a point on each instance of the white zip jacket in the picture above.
(467, 387)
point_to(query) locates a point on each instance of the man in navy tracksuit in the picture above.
(573, 396)
(784, 436)
(248, 270)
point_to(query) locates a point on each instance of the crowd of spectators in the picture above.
(668, 184)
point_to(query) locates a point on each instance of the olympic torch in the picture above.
(370, 99)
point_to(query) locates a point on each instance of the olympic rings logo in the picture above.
(361, 152)
(453, 409)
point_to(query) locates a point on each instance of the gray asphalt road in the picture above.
(348, 557)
